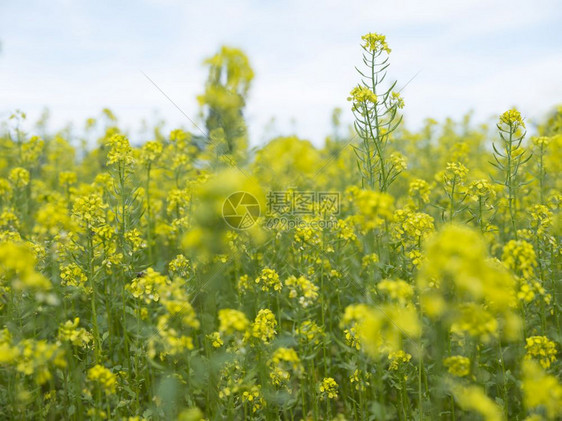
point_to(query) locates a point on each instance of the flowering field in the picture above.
(389, 275)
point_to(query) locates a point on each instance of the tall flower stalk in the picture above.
(376, 115)
(509, 157)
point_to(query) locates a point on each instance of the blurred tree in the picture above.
(223, 102)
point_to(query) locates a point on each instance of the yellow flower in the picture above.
(385, 326)
(520, 257)
(455, 170)
(473, 319)
(264, 326)
(362, 95)
(268, 280)
(69, 331)
(146, 285)
(179, 266)
(419, 189)
(360, 379)
(375, 42)
(369, 259)
(73, 275)
(254, 397)
(373, 208)
(31, 150)
(398, 290)
(309, 332)
(150, 152)
(397, 100)
(458, 366)
(302, 289)
(512, 118)
(485, 294)
(103, 377)
(541, 390)
(481, 189)
(231, 321)
(328, 388)
(17, 263)
(19, 177)
(215, 339)
(67, 178)
(398, 357)
(411, 228)
(283, 362)
(120, 151)
(542, 349)
(89, 210)
(398, 161)
(8, 353)
(473, 398)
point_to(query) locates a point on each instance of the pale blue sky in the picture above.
(77, 57)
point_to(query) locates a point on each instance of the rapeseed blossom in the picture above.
(103, 377)
(411, 275)
(328, 388)
(542, 349)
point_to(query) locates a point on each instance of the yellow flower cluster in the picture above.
(360, 379)
(362, 95)
(328, 388)
(89, 210)
(397, 290)
(264, 326)
(73, 275)
(512, 118)
(456, 259)
(542, 349)
(19, 177)
(520, 257)
(120, 151)
(398, 161)
(70, 332)
(309, 332)
(215, 339)
(103, 377)
(146, 285)
(481, 189)
(375, 42)
(269, 280)
(150, 152)
(17, 264)
(31, 357)
(302, 289)
(397, 358)
(457, 365)
(32, 149)
(455, 170)
(373, 208)
(66, 178)
(232, 321)
(254, 397)
(179, 266)
(419, 189)
(541, 390)
(386, 326)
(411, 228)
(283, 362)
(473, 398)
